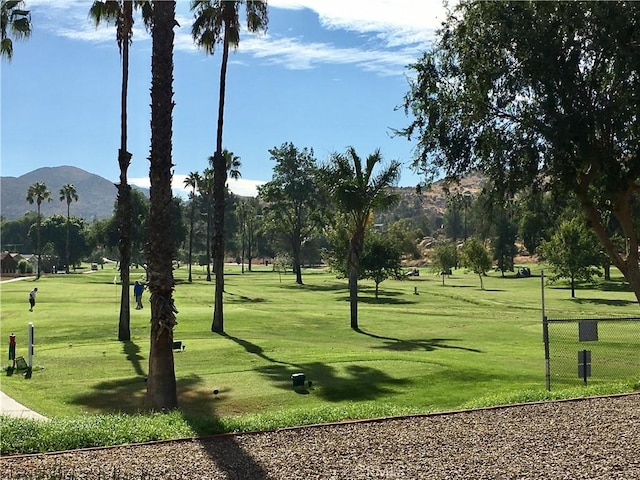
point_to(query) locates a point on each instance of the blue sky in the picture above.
(327, 74)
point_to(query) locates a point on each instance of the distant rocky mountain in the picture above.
(428, 206)
(96, 195)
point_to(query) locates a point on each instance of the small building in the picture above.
(9, 264)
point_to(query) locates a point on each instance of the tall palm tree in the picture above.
(38, 193)
(161, 382)
(14, 21)
(120, 13)
(192, 180)
(233, 165)
(243, 208)
(205, 187)
(357, 192)
(68, 194)
(217, 21)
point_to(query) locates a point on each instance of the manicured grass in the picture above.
(443, 349)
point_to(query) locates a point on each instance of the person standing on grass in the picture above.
(138, 288)
(32, 298)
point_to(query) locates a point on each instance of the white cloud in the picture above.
(398, 22)
(242, 187)
(298, 55)
(392, 31)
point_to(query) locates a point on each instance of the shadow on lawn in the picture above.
(251, 348)
(133, 355)
(383, 299)
(127, 395)
(331, 287)
(400, 345)
(358, 382)
(233, 298)
(603, 301)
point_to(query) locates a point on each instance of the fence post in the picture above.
(545, 337)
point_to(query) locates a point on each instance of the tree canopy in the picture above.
(538, 94)
(573, 253)
(294, 205)
(357, 189)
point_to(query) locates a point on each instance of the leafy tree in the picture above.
(68, 194)
(503, 242)
(139, 232)
(192, 181)
(336, 256)
(247, 213)
(16, 21)
(538, 94)
(14, 234)
(38, 193)
(532, 219)
(161, 382)
(476, 258)
(281, 263)
(406, 236)
(381, 259)
(67, 236)
(572, 252)
(453, 217)
(217, 21)
(445, 257)
(120, 13)
(357, 191)
(293, 208)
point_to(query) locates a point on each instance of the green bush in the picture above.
(25, 267)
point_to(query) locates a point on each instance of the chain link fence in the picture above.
(591, 350)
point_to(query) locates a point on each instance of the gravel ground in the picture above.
(596, 438)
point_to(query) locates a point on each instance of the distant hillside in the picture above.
(427, 208)
(96, 195)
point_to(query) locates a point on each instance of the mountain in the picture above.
(96, 195)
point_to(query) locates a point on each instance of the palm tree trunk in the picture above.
(208, 240)
(124, 189)
(193, 203)
(219, 183)
(161, 382)
(68, 249)
(39, 252)
(355, 252)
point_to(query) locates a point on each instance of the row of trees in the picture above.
(533, 95)
(540, 96)
(38, 193)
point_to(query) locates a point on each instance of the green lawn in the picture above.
(446, 347)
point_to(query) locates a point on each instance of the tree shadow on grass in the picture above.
(201, 417)
(357, 383)
(400, 345)
(127, 395)
(603, 301)
(233, 298)
(333, 287)
(251, 348)
(132, 351)
(383, 299)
